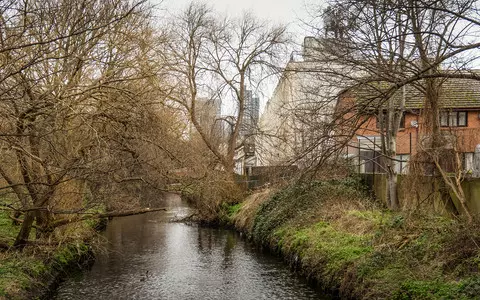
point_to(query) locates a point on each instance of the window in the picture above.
(369, 157)
(468, 159)
(383, 117)
(401, 166)
(453, 119)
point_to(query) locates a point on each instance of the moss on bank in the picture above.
(29, 274)
(353, 246)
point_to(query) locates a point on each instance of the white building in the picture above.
(292, 127)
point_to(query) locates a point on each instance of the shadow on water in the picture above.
(148, 257)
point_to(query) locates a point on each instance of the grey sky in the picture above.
(270, 9)
(282, 11)
(278, 11)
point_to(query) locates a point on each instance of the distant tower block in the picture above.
(251, 115)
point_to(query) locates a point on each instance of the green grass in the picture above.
(228, 213)
(20, 270)
(377, 217)
(429, 290)
(8, 231)
(70, 253)
(365, 251)
(298, 206)
(233, 209)
(321, 242)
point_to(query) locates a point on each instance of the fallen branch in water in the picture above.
(74, 219)
(184, 219)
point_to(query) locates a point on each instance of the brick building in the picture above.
(459, 119)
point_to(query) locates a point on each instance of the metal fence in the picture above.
(366, 157)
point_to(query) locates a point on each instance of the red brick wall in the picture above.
(408, 137)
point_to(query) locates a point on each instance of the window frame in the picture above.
(384, 115)
(446, 117)
(402, 163)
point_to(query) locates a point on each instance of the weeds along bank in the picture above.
(352, 246)
(33, 272)
(210, 195)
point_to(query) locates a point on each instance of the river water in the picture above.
(148, 257)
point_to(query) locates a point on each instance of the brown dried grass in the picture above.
(246, 216)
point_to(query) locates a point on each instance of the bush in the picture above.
(304, 203)
(350, 244)
(210, 193)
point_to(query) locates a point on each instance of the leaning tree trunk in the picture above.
(25, 229)
(455, 185)
(43, 220)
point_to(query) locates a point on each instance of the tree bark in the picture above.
(24, 233)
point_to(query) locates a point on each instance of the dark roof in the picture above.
(454, 93)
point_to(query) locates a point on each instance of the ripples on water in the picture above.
(151, 258)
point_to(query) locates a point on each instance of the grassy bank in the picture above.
(30, 273)
(349, 244)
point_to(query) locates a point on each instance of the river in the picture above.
(148, 257)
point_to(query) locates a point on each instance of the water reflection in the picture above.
(150, 258)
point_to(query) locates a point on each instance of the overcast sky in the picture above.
(281, 11)
(278, 11)
(271, 9)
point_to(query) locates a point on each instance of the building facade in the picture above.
(459, 121)
(293, 125)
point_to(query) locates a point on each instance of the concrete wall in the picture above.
(471, 188)
(426, 193)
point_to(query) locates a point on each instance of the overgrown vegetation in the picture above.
(33, 269)
(348, 243)
(24, 274)
(105, 106)
(211, 195)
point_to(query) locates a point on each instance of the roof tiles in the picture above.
(454, 93)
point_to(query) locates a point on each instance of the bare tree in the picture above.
(216, 59)
(388, 45)
(75, 93)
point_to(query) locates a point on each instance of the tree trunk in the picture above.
(457, 190)
(392, 176)
(391, 129)
(24, 233)
(392, 180)
(43, 223)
